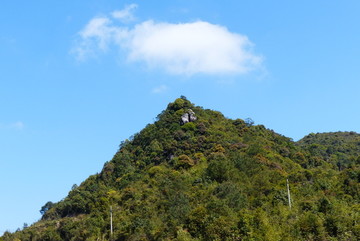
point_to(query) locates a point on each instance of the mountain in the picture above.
(341, 149)
(196, 175)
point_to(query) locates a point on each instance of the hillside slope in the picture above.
(340, 149)
(196, 175)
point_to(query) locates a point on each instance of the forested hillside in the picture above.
(196, 175)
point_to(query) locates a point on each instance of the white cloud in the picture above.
(177, 48)
(98, 34)
(126, 14)
(18, 125)
(159, 89)
(100, 31)
(189, 48)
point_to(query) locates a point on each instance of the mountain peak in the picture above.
(180, 103)
(196, 175)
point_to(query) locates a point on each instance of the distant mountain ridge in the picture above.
(341, 149)
(196, 175)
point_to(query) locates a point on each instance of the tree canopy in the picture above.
(213, 178)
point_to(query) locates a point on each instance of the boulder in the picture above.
(188, 116)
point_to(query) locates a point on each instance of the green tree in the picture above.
(46, 207)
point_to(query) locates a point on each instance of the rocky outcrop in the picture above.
(188, 116)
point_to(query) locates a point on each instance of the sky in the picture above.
(79, 77)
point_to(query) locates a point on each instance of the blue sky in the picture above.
(78, 77)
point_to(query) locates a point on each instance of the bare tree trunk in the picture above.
(288, 191)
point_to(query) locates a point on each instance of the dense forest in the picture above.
(197, 175)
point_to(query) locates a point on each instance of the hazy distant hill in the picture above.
(196, 175)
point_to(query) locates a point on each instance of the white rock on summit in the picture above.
(188, 116)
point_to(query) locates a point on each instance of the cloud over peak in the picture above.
(126, 14)
(178, 48)
(189, 48)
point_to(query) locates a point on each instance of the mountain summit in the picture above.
(196, 175)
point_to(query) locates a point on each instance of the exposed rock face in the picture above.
(188, 116)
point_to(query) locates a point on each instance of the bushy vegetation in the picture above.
(213, 179)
